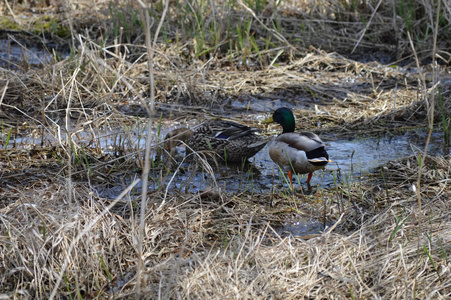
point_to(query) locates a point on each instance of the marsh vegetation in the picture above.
(93, 206)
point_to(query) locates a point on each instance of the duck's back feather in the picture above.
(226, 130)
(232, 141)
(304, 141)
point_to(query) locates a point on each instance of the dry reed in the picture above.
(87, 109)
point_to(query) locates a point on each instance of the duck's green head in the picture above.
(284, 116)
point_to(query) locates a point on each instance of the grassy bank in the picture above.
(75, 124)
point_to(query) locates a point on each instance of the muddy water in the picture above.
(353, 159)
(13, 54)
(17, 52)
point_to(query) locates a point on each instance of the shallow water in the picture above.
(13, 54)
(353, 159)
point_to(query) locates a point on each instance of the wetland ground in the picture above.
(93, 207)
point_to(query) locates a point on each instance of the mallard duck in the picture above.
(231, 141)
(298, 152)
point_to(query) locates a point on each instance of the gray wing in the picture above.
(304, 141)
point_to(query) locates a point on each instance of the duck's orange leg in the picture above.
(309, 177)
(290, 175)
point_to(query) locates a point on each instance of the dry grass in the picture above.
(216, 244)
(75, 126)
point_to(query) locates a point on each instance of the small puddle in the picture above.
(359, 156)
(260, 105)
(352, 159)
(15, 53)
